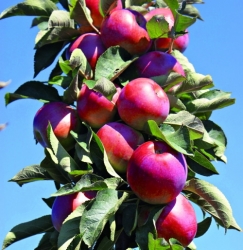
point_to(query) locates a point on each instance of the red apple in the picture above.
(90, 44)
(94, 108)
(163, 44)
(177, 220)
(127, 29)
(142, 99)
(62, 118)
(65, 205)
(156, 173)
(119, 141)
(93, 6)
(156, 63)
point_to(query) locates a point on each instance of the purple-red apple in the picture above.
(62, 118)
(142, 99)
(119, 141)
(127, 29)
(156, 63)
(177, 220)
(90, 44)
(94, 108)
(180, 43)
(65, 205)
(156, 172)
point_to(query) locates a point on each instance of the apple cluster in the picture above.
(154, 171)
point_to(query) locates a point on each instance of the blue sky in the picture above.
(214, 49)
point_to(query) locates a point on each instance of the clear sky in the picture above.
(215, 48)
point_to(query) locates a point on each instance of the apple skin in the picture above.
(90, 44)
(142, 99)
(177, 220)
(94, 108)
(156, 63)
(127, 29)
(93, 6)
(156, 173)
(65, 205)
(119, 141)
(180, 43)
(62, 118)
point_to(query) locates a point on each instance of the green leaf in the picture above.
(156, 244)
(41, 22)
(176, 105)
(64, 159)
(116, 60)
(33, 90)
(95, 217)
(201, 165)
(100, 152)
(184, 118)
(194, 82)
(183, 60)
(60, 18)
(45, 56)
(79, 61)
(191, 11)
(129, 218)
(203, 227)
(48, 241)
(79, 13)
(106, 6)
(209, 101)
(30, 8)
(105, 87)
(50, 164)
(107, 244)
(213, 201)
(83, 145)
(27, 229)
(30, 174)
(218, 136)
(55, 35)
(181, 22)
(63, 81)
(142, 232)
(157, 27)
(179, 139)
(169, 80)
(70, 227)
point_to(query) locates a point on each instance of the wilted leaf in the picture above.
(33, 90)
(213, 201)
(95, 217)
(27, 229)
(30, 8)
(30, 174)
(3, 126)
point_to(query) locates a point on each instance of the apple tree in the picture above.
(125, 127)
